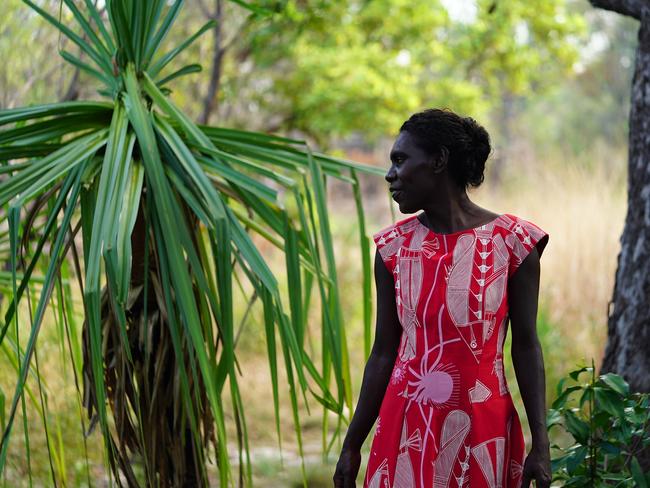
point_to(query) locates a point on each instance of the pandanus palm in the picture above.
(168, 212)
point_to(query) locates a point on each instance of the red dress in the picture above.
(447, 418)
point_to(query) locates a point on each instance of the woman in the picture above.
(448, 279)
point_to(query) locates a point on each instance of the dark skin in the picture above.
(421, 181)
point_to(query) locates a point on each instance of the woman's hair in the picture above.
(468, 142)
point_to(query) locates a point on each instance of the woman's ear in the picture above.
(440, 160)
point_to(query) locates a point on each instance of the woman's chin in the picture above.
(404, 207)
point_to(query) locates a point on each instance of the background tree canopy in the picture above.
(331, 68)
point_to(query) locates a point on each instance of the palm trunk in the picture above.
(159, 435)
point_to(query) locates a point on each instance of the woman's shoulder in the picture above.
(396, 229)
(391, 237)
(521, 236)
(520, 227)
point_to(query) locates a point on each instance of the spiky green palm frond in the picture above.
(168, 212)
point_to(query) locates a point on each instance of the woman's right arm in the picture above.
(376, 375)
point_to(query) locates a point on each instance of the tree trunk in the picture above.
(628, 335)
(629, 319)
(504, 119)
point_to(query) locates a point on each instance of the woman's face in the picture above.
(412, 175)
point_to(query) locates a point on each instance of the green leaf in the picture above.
(102, 60)
(15, 152)
(138, 29)
(97, 247)
(366, 268)
(127, 217)
(559, 462)
(576, 458)
(575, 373)
(119, 20)
(153, 42)
(74, 60)
(185, 70)
(94, 13)
(170, 218)
(602, 419)
(215, 167)
(609, 401)
(253, 7)
(36, 178)
(577, 427)
(637, 473)
(209, 196)
(2, 410)
(164, 60)
(49, 109)
(258, 169)
(155, 8)
(85, 25)
(559, 386)
(269, 330)
(553, 417)
(40, 311)
(560, 401)
(45, 237)
(587, 396)
(293, 276)
(616, 383)
(610, 448)
(222, 238)
(53, 130)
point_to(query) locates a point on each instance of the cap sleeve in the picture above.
(521, 240)
(388, 241)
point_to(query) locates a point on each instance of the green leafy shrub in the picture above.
(606, 426)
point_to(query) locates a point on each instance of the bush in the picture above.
(607, 427)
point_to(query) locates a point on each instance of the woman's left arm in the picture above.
(527, 358)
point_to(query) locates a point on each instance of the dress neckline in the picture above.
(458, 231)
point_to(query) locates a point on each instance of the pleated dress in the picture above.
(447, 418)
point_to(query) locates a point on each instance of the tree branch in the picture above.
(631, 8)
(210, 103)
(72, 93)
(204, 9)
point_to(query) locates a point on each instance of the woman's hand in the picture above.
(347, 468)
(528, 360)
(376, 375)
(537, 466)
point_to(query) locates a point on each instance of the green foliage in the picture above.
(608, 425)
(171, 216)
(337, 67)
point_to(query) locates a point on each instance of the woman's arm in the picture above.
(375, 377)
(527, 358)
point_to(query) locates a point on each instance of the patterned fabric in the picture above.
(447, 418)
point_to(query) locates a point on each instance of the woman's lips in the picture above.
(397, 195)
